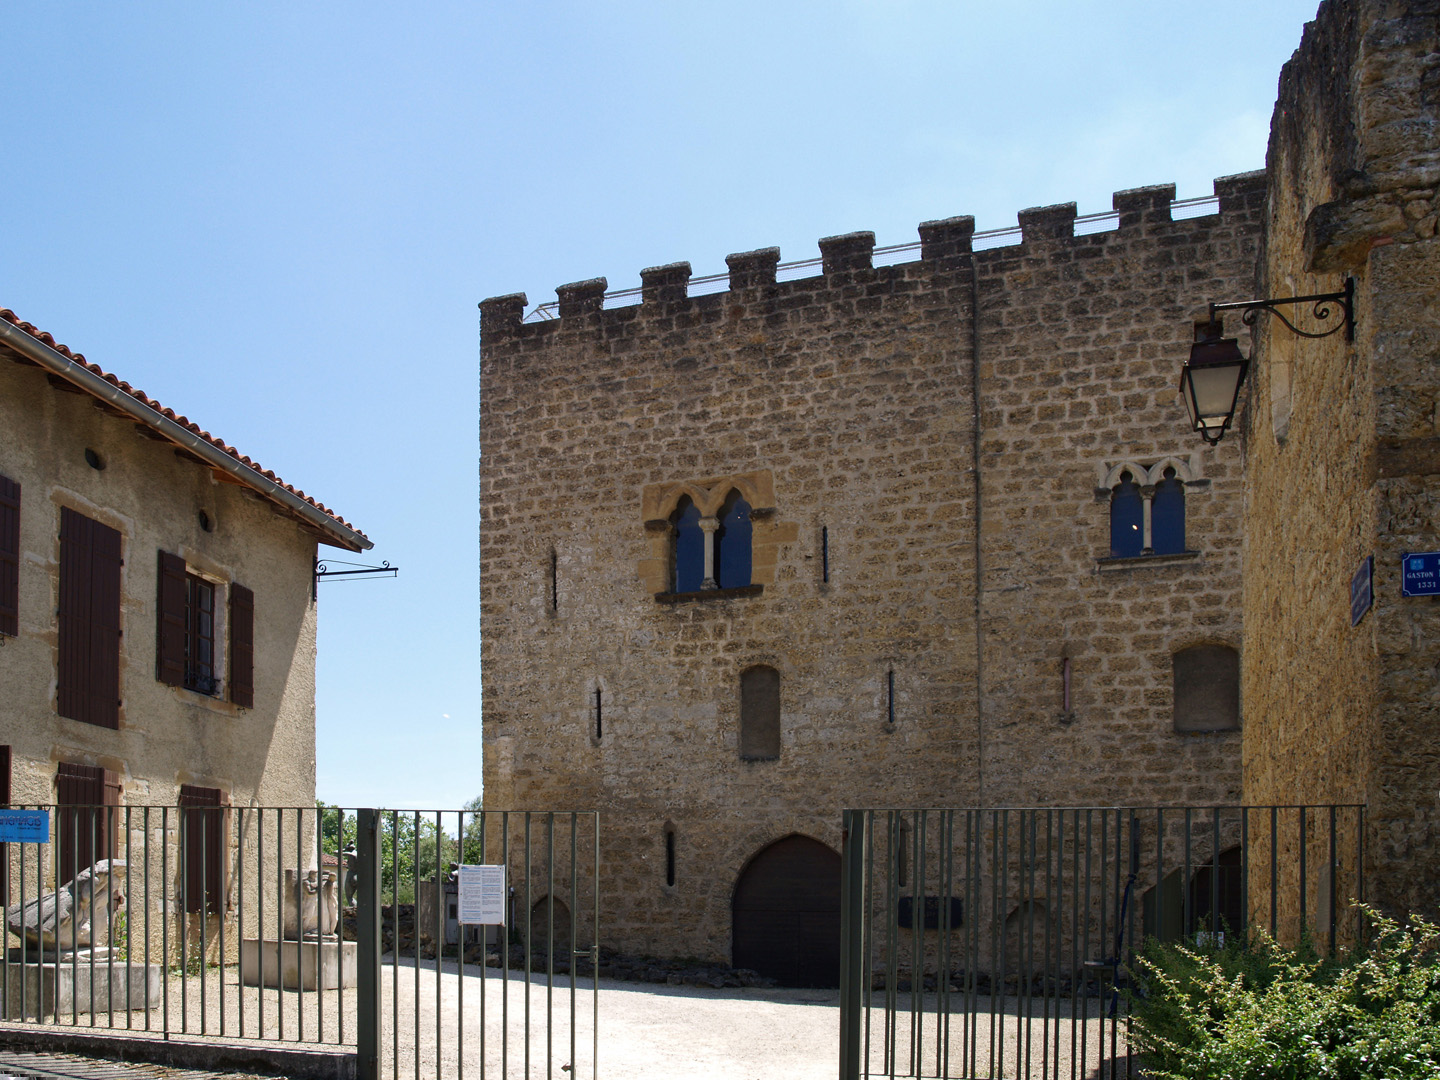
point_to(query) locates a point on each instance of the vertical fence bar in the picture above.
(1274, 866)
(852, 939)
(917, 939)
(549, 944)
(367, 945)
(164, 975)
(240, 819)
(460, 955)
(867, 933)
(595, 954)
(1304, 874)
(395, 943)
(574, 928)
(439, 939)
(322, 922)
(529, 939)
(260, 919)
(165, 919)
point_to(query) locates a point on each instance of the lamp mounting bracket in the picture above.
(322, 570)
(1345, 300)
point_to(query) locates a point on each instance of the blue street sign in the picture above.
(1420, 574)
(25, 826)
(1362, 590)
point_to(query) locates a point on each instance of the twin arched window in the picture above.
(1147, 520)
(710, 553)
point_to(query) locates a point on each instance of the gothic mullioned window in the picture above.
(715, 537)
(1147, 508)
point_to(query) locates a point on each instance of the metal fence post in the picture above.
(367, 900)
(852, 943)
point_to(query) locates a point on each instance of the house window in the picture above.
(200, 636)
(760, 713)
(204, 848)
(86, 798)
(88, 675)
(188, 635)
(1207, 688)
(1147, 508)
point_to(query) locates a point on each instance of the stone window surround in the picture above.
(658, 502)
(1187, 471)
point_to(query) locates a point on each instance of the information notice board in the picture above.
(481, 892)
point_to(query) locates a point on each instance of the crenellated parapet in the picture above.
(946, 247)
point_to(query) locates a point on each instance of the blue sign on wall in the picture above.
(1362, 590)
(1420, 574)
(25, 826)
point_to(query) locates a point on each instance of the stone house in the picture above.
(157, 609)
(1342, 450)
(901, 528)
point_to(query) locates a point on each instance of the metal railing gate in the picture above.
(316, 928)
(996, 943)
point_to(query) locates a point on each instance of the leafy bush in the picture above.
(1259, 1011)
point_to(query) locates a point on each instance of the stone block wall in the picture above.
(1342, 458)
(935, 543)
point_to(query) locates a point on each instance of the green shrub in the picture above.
(1258, 1011)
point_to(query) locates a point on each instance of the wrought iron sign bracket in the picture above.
(1322, 310)
(322, 570)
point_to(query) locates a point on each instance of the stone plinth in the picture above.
(73, 986)
(298, 965)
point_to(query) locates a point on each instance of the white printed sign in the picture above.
(482, 894)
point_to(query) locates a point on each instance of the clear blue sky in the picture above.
(278, 218)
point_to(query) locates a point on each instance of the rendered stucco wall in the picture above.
(153, 495)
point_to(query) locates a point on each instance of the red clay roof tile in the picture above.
(144, 399)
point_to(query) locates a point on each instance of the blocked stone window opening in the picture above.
(759, 713)
(1207, 688)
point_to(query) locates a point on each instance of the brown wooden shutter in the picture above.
(85, 795)
(88, 684)
(9, 557)
(242, 646)
(205, 828)
(170, 620)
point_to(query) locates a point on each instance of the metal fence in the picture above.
(998, 942)
(322, 928)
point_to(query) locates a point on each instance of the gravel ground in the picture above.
(646, 1032)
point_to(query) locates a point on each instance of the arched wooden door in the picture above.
(786, 914)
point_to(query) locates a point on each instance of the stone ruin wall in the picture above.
(851, 396)
(1342, 449)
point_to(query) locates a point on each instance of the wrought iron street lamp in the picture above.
(1211, 379)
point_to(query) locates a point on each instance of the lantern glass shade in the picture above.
(1210, 383)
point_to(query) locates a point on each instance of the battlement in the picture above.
(948, 244)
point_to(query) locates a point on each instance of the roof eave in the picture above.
(328, 529)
